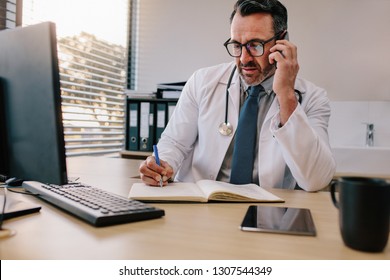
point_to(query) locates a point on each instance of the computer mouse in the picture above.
(14, 182)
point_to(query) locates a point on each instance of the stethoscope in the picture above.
(226, 128)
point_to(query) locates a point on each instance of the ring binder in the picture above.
(133, 131)
(146, 119)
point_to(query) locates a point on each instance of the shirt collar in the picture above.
(266, 84)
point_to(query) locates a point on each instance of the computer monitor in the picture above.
(33, 147)
(3, 150)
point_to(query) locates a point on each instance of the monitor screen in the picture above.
(33, 147)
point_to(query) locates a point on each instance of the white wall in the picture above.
(177, 37)
(347, 125)
(343, 44)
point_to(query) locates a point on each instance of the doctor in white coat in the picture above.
(292, 140)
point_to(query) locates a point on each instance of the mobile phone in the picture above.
(284, 37)
(286, 220)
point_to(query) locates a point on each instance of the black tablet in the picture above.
(15, 208)
(286, 220)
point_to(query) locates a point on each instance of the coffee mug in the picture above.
(364, 212)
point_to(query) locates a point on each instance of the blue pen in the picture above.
(155, 150)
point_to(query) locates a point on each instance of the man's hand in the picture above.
(151, 172)
(284, 53)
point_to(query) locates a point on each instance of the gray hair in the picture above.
(273, 7)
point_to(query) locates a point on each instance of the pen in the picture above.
(155, 150)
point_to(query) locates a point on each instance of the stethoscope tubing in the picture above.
(227, 93)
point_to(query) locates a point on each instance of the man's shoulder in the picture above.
(306, 86)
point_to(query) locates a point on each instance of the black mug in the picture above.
(364, 212)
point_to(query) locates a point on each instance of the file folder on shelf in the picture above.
(146, 119)
(171, 108)
(161, 117)
(146, 129)
(170, 90)
(133, 125)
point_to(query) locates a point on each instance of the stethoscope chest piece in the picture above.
(226, 129)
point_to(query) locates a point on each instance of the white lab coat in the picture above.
(298, 152)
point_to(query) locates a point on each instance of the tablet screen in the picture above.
(279, 220)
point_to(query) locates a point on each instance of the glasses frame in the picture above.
(246, 45)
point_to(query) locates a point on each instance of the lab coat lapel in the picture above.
(272, 111)
(234, 103)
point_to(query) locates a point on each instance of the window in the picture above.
(92, 52)
(9, 13)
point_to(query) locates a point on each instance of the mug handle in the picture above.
(332, 193)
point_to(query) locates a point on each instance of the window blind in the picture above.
(92, 72)
(93, 77)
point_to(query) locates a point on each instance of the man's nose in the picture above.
(245, 56)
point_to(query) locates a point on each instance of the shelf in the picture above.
(135, 154)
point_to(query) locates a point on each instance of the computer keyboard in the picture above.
(93, 205)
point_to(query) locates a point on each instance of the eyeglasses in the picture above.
(254, 47)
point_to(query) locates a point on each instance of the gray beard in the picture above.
(266, 73)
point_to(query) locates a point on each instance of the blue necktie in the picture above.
(244, 146)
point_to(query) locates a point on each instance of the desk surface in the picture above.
(187, 231)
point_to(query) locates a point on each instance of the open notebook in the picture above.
(203, 191)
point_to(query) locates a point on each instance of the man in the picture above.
(290, 147)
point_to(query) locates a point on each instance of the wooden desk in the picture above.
(188, 231)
